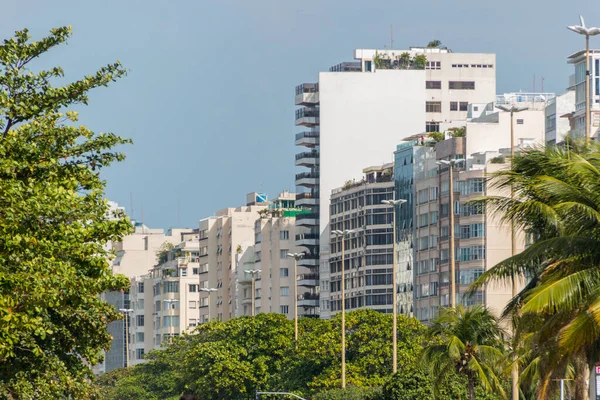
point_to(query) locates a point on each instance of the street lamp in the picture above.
(394, 203)
(171, 305)
(582, 30)
(253, 272)
(343, 234)
(451, 164)
(209, 291)
(513, 236)
(126, 312)
(296, 257)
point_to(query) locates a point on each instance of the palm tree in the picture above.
(557, 203)
(469, 342)
(434, 44)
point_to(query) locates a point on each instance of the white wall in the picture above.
(363, 117)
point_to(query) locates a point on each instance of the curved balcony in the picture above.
(308, 139)
(308, 300)
(307, 239)
(309, 261)
(307, 116)
(308, 280)
(307, 158)
(307, 219)
(307, 94)
(307, 200)
(307, 179)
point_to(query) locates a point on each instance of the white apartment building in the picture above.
(360, 105)
(578, 61)
(274, 239)
(368, 260)
(557, 111)
(135, 256)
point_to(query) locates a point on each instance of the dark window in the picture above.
(453, 106)
(464, 106)
(433, 106)
(432, 126)
(520, 121)
(433, 84)
(461, 85)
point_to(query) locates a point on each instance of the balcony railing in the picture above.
(307, 154)
(308, 296)
(307, 113)
(307, 216)
(307, 134)
(308, 236)
(306, 195)
(307, 88)
(308, 277)
(304, 175)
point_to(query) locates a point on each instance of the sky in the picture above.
(209, 97)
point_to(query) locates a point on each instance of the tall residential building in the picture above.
(578, 61)
(371, 104)
(166, 301)
(224, 240)
(368, 259)
(136, 255)
(557, 112)
(274, 238)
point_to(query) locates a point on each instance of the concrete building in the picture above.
(368, 250)
(578, 61)
(557, 110)
(274, 238)
(135, 256)
(372, 103)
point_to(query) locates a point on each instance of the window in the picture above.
(432, 126)
(444, 232)
(454, 106)
(284, 291)
(520, 121)
(464, 106)
(257, 237)
(468, 276)
(478, 230)
(461, 85)
(195, 271)
(139, 337)
(170, 320)
(140, 287)
(423, 196)
(139, 354)
(433, 65)
(475, 108)
(284, 309)
(203, 268)
(433, 193)
(284, 235)
(424, 243)
(193, 288)
(283, 253)
(465, 231)
(478, 252)
(476, 185)
(444, 255)
(183, 271)
(283, 272)
(423, 220)
(139, 320)
(433, 106)
(171, 287)
(433, 84)
(433, 217)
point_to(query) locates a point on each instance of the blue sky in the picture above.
(209, 97)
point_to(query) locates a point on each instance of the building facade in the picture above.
(578, 61)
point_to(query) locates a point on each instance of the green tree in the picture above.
(434, 44)
(54, 220)
(458, 131)
(419, 62)
(557, 205)
(404, 59)
(470, 343)
(436, 136)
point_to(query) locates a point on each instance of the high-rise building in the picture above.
(359, 110)
(368, 258)
(578, 84)
(558, 110)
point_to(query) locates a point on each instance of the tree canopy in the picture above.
(54, 223)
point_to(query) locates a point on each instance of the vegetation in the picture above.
(557, 204)
(55, 222)
(458, 131)
(437, 136)
(402, 61)
(434, 44)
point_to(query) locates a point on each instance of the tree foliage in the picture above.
(54, 224)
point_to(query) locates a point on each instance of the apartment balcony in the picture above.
(247, 300)
(308, 300)
(307, 116)
(307, 179)
(307, 159)
(307, 139)
(307, 200)
(309, 260)
(307, 219)
(307, 239)
(307, 94)
(308, 280)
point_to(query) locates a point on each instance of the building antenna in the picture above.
(542, 84)
(178, 211)
(533, 91)
(143, 226)
(391, 37)
(131, 205)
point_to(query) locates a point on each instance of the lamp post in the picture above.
(171, 304)
(343, 234)
(253, 272)
(587, 32)
(209, 291)
(513, 236)
(296, 257)
(451, 239)
(126, 312)
(394, 203)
